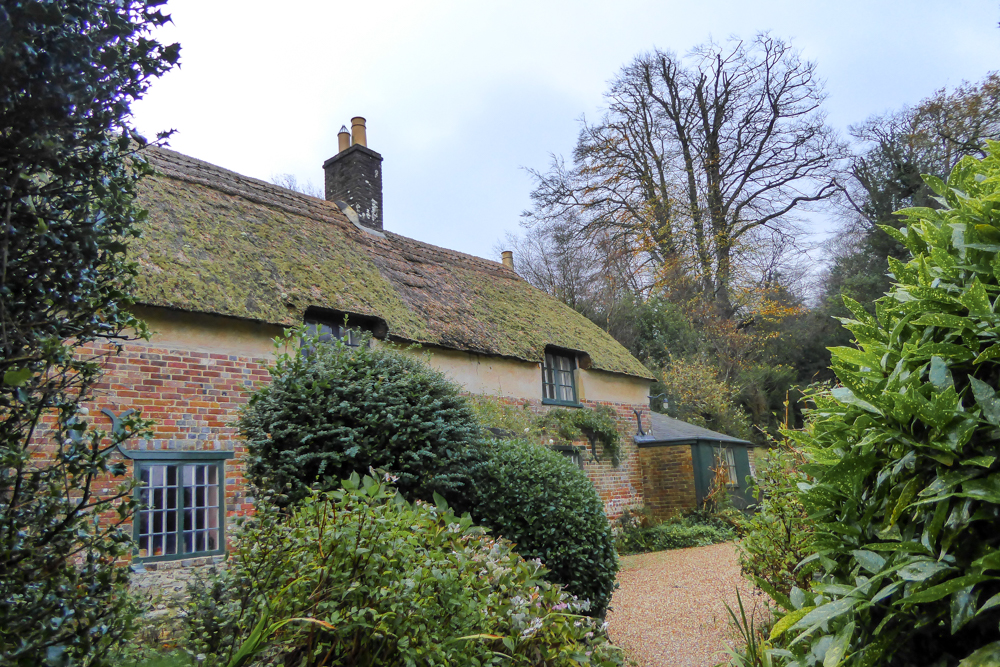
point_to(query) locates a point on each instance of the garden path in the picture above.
(669, 608)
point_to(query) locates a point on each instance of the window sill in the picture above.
(565, 404)
(177, 557)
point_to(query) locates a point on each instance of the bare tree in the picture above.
(895, 149)
(290, 182)
(696, 157)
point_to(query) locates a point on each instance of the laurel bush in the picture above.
(905, 455)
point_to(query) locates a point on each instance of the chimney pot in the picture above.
(358, 132)
(343, 139)
(507, 258)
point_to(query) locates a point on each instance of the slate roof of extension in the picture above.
(667, 429)
(218, 242)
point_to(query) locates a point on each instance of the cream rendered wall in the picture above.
(477, 374)
(498, 376)
(208, 333)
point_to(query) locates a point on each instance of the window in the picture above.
(327, 332)
(558, 383)
(182, 506)
(727, 459)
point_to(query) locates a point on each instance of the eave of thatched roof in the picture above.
(218, 242)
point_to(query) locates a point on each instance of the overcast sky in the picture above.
(460, 97)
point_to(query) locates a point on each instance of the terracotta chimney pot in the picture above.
(358, 134)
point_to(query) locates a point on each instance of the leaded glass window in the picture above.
(558, 383)
(181, 510)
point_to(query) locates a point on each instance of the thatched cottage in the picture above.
(226, 262)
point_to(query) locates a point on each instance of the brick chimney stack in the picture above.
(354, 175)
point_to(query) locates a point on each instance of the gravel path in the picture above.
(668, 610)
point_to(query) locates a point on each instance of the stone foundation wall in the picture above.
(668, 480)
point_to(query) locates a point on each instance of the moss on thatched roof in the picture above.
(218, 242)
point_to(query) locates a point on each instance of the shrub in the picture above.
(332, 409)
(904, 455)
(361, 577)
(778, 537)
(538, 499)
(696, 530)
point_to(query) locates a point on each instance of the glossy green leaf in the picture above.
(939, 375)
(869, 560)
(17, 377)
(837, 651)
(943, 589)
(976, 299)
(922, 570)
(942, 320)
(987, 656)
(992, 352)
(789, 620)
(985, 488)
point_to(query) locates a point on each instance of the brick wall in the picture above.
(620, 487)
(668, 480)
(194, 398)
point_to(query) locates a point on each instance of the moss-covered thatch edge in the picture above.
(279, 263)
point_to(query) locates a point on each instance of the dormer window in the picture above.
(348, 328)
(558, 381)
(350, 336)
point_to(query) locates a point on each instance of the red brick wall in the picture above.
(620, 487)
(193, 398)
(668, 480)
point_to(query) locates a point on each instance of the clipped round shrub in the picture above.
(360, 577)
(538, 499)
(332, 409)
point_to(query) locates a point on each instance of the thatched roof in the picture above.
(218, 242)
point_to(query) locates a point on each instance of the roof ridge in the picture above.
(170, 163)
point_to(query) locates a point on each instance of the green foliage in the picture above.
(331, 410)
(358, 576)
(697, 396)
(538, 499)
(511, 419)
(904, 455)
(695, 530)
(69, 72)
(778, 536)
(595, 425)
(559, 425)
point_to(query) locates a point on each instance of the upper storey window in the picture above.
(558, 380)
(351, 336)
(346, 327)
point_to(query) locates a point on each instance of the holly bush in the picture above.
(905, 495)
(358, 576)
(69, 174)
(331, 410)
(542, 502)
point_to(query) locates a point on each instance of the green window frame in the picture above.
(350, 336)
(559, 379)
(182, 505)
